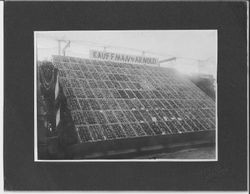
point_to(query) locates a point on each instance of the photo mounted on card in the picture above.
(125, 96)
(134, 95)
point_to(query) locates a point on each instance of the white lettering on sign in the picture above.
(117, 57)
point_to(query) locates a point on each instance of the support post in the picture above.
(59, 47)
(66, 46)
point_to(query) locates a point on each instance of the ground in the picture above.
(191, 153)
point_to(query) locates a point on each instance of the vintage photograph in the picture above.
(131, 95)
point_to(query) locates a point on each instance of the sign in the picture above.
(123, 58)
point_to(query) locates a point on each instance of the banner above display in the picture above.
(123, 58)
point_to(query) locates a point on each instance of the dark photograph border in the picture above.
(21, 19)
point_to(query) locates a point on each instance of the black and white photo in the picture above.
(121, 95)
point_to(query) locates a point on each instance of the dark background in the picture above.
(22, 19)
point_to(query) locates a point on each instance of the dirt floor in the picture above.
(191, 153)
